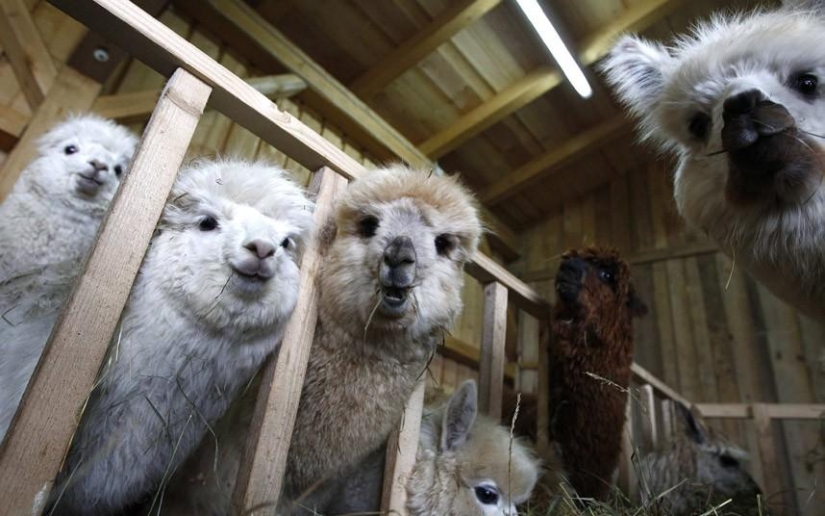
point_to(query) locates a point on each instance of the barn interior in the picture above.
(469, 87)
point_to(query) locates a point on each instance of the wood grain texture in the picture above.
(261, 473)
(71, 92)
(39, 435)
(402, 447)
(26, 51)
(493, 340)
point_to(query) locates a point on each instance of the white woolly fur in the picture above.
(782, 244)
(193, 334)
(52, 213)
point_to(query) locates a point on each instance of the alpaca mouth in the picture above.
(88, 185)
(394, 301)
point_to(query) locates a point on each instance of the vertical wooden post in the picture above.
(767, 450)
(627, 471)
(493, 337)
(649, 439)
(402, 447)
(543, 411)
(41, 431)
(668, 420)
(261, 473)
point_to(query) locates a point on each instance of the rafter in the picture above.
(552, 160)
(440, 30)
(541, 81)
(245, 27)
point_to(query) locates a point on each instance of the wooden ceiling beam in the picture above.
(544, 165)
(440, 30)
(240, 23)
(539, 82)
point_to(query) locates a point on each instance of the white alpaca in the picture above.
(740, 103)
(53, 212)
(216, 287)
(466, 464)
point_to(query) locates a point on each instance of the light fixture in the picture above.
(560, 53)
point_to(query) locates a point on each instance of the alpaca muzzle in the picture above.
(569, 278)
(397, 275)
(769, 159)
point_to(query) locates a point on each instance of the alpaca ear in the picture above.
(459, 416)
(635, 69)
(637, 307)
(693, 429)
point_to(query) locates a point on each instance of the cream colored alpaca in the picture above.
(466, 465)
(390, 285)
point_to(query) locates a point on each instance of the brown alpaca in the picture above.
(590, 357)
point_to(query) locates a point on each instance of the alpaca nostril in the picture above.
(260, 248)
(742, 103)
(98, 166)
(401, 251)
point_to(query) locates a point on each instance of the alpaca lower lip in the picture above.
(393, 301)
(255, 277)
(87, 184)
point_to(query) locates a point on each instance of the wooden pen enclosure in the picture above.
(452, 81)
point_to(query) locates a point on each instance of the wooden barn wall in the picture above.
(712, 333)
(218, 135)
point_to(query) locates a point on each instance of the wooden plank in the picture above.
(641, 375)
(467, 354)
(798, 411)
(40, 433)
(138, 105)
(27, 53)
(486, 270)
(449, 22)
(12, 125)
(545, 164)
(767, 451)
(651, 432)
(543, 392)
(71, 92)
(542, 80)
(668, 419)
(402, 446)
(627, 472)
(261, 473)
(491, 366)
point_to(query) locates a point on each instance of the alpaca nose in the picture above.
(742, 103)
(98, 166)
(401, 251)
(749, 116)
(260, 248)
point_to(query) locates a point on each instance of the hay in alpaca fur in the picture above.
(390, 285)
(217, 285)
(590, 357)
(466, 464)
(741, 103)
(53, 212)
(698, 470)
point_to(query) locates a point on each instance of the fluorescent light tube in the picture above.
(560, 53)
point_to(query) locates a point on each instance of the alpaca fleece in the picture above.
(740, 102)
(464, 466)
(698, 470)
(590, 358)
(53, 211)
(217, 285)
(390, 284)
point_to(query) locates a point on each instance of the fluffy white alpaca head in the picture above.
(397, 258)
(82, 160)
(469, 464)
(742, 102)
(229, 243)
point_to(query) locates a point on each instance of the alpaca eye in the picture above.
(486, 495)
(118, 170)
(699, 125)
(806, 83)
(728, 462)
(208, 223)
(606, 276)
(368, 226)
(285, 243)
(70, 149)
(443, 244)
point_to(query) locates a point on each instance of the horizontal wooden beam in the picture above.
(138, 105)
(452, 20)
(12, 125)
(540, 81)
(162, 49)
(469, 355)
(654, 255)
(799, 411)
(540, 167)
(643, 376)
(252, 30)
